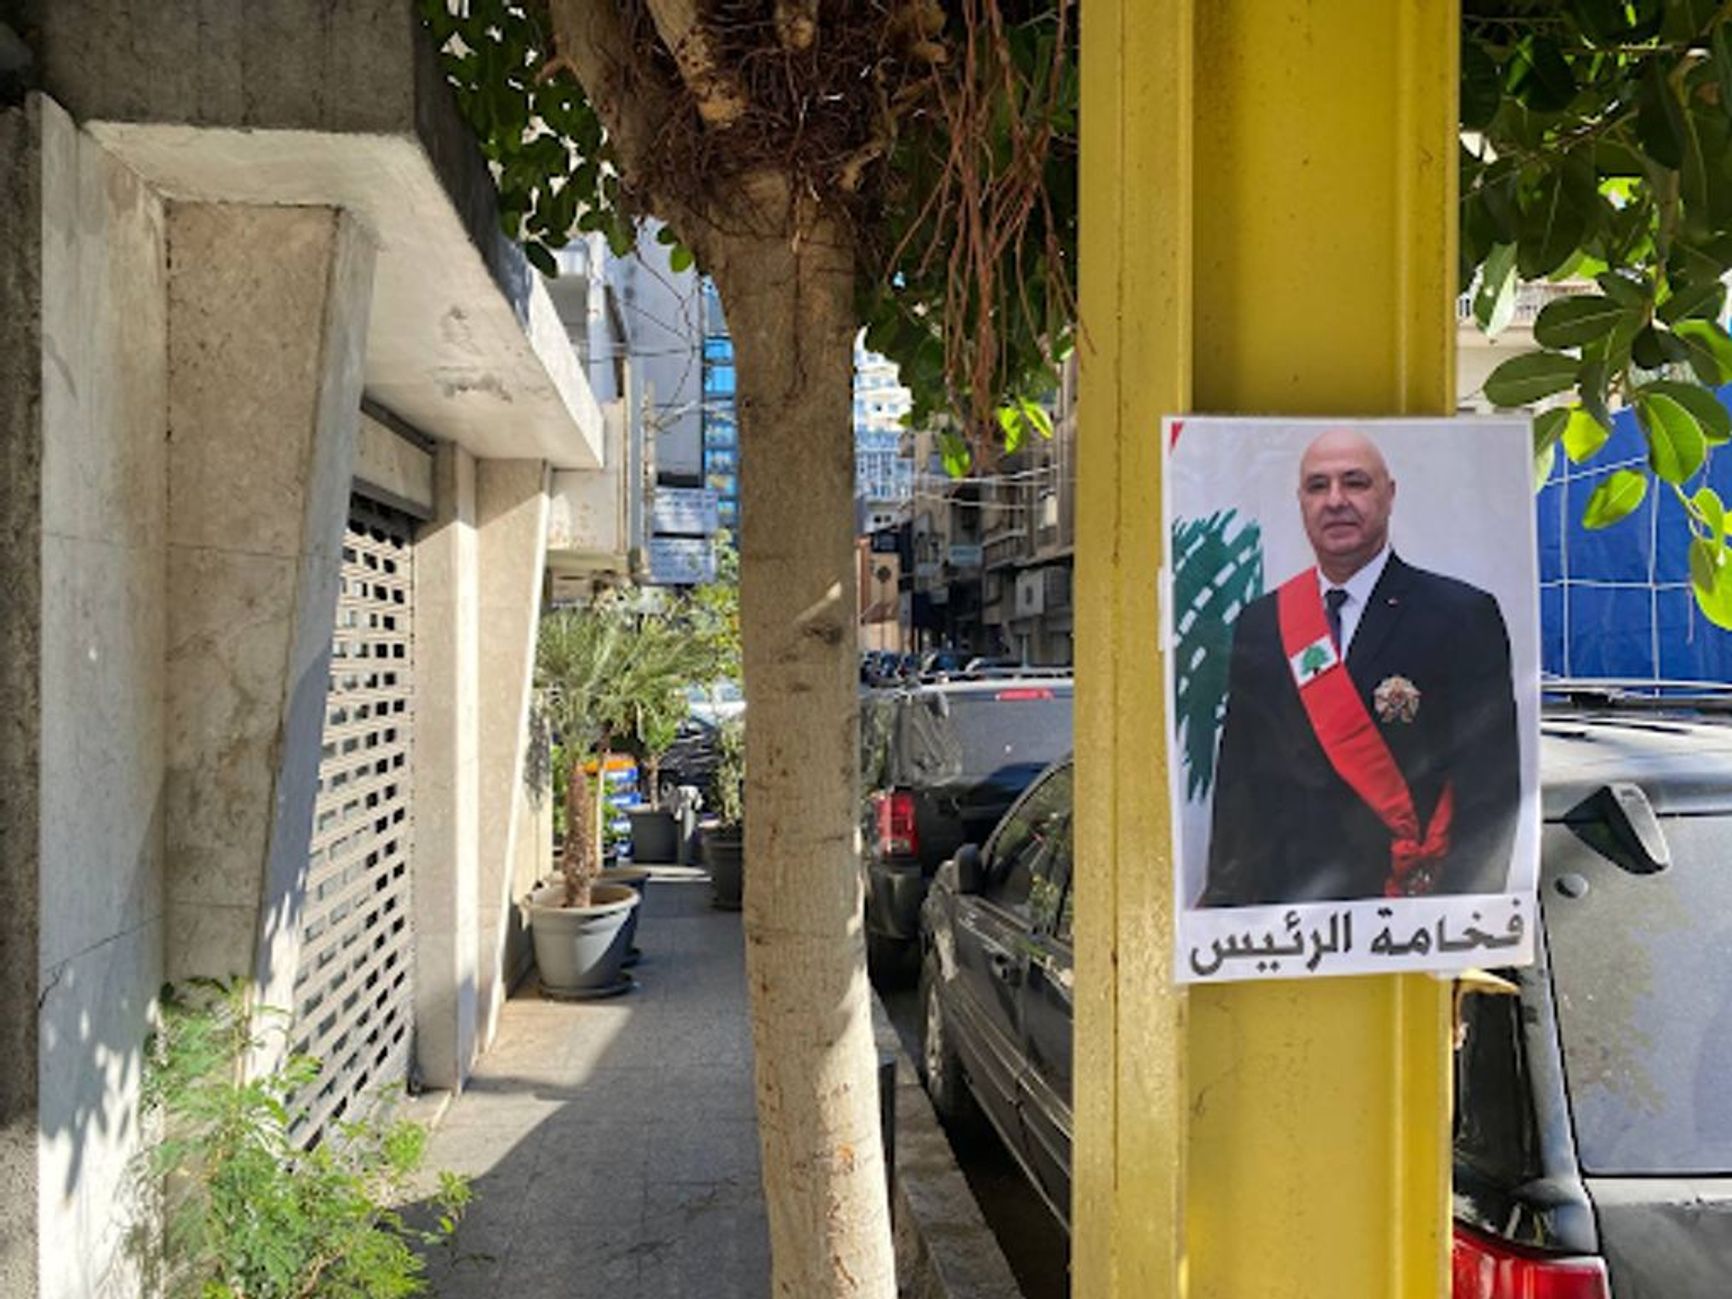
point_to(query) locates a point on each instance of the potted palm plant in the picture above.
(725, 835)
(577, 923)
(669, 660)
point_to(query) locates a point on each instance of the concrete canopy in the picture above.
(302, 103)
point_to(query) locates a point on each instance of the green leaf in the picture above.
(680, 259)
(1617, 495)
(1012, 424)
(1708, 349)
(1037, 417)
(620, 237)
(1714, 419)
(1601, 21)
(1711, 579)
(1623, 290)
(1544, 460)
(1494, 302)
(1592, 387)
(1583, 435)
(1529, 377)
(1692, 300)
(1712, 509)
(1660, 117)
(1707, 556)
(1481, 85)
(1548, 427)
(1653, 347)
(1570, 322)
(542, 260)
(1676, 447)
(1721, 45)
(954, 452)
(1552, 227)
(1541, 76)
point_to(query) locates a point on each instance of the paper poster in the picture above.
(1351, 616)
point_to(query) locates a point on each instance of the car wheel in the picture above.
(889, 960)
(940, 1066)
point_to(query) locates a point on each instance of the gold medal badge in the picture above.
(1396, 699)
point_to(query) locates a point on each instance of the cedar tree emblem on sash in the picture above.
(1314, 660)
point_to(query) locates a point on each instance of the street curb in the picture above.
(944, 1249)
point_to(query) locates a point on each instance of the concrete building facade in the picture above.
(275, 512)
(992, 553)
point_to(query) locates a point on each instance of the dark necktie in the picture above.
(1333, 600)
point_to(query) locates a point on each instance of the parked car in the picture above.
(940, 763)
(995, 984)
(942, 662)
(715, 701)
(1593, 1125)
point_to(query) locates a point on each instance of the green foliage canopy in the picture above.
(1597, 147)
(960, 191)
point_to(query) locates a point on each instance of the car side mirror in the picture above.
(970, 870)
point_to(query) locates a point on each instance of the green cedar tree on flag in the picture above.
(1217, 571)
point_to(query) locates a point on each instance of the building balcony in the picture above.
(1006, 546)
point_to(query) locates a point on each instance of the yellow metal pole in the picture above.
(1268, 226)
(1136, 362)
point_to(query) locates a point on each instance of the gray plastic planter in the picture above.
(637, 879)
(579, 950)
(655, 836)
(725, 855)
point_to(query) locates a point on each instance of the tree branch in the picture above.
(721, 99)
(634, 98)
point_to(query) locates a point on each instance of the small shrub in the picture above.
(243, 1212)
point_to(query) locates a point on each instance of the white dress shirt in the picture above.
(1358, 588)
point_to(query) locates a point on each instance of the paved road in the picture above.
(1034, 1244)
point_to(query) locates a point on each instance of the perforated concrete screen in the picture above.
(353, 989)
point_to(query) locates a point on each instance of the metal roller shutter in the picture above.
(354, 1001)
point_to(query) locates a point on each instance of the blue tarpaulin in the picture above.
(1617, 602)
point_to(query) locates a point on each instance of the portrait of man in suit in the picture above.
(1369, 747)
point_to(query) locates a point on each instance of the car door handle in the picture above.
(1005, 968)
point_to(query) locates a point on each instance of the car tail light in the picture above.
(1024, 693)
(1484, 1268)
(896, 834)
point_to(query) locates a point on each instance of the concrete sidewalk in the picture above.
(612, 1145)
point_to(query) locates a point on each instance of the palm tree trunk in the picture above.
(577, 863)
(789, 306)
(598, 822)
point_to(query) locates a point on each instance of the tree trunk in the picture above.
(578, 863)
(598, 822)
(789, 306)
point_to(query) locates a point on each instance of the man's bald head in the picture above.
(1345, 497)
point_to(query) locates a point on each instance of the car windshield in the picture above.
(1642, 966)
(1014, 729)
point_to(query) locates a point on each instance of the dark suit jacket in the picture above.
(1286, 828)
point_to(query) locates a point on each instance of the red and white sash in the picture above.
(1352, 742)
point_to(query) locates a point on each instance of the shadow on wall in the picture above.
(93, 1014)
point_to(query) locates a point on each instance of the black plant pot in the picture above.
(725, 856)
(655, 836)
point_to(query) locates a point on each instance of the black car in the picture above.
(995, 984)
(940, 763)
(1593, 1127)
(1593, 1123)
